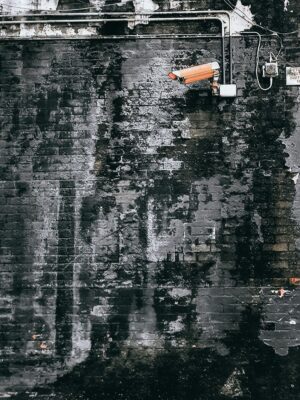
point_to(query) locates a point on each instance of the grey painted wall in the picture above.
(146, 227)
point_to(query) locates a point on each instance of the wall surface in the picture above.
(148, 230)
(24, 6)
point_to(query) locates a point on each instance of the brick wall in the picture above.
(147, 227)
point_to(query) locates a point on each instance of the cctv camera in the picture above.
(198, 73)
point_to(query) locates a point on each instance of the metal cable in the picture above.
(247, 19)
(257, 62)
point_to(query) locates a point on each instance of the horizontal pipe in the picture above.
(80, 21)
(65, 21)
(225, 12)
(116, 37)
(133, 19)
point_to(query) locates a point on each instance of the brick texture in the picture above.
(146, 227)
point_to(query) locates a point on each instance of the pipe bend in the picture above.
(199, 15)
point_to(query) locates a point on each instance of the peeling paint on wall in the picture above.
(241, 18)
(49, 30)
(47, 5)
(24, 6)
(145, 6)
(98, 4)
(232, 387)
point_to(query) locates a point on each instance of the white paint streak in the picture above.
(232, 387)
(212, 236)
(292, 147)
(157, 139)
(152, 247)
(27, 31)
(286, 4)
(97, 4)
(295, 178)
(81, 342)
(48, 5)
(177, 293)
(170, 235)
(145, 6)
(141, 7)
(141, 334)
(101, 311)
(176, 326)
(258, 220)
(169, 164)
(175, 4)
(242, 18)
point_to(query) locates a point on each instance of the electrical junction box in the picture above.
(227, 90)
(270, 70)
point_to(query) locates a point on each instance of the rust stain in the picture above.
(35, 336)
(294, 281)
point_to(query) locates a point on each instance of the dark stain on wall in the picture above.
(252, 370)
(65, 260)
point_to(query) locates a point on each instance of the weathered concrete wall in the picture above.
(147, 227)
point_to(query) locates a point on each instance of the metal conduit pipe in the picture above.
(57, 13)
(208, 16)
(65, 21)
(118, 37)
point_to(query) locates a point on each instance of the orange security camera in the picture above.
(199, 73)
(206, 71)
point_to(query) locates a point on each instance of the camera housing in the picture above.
(210, 71)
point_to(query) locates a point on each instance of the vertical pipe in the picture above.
(230, 51)
(223, 54)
